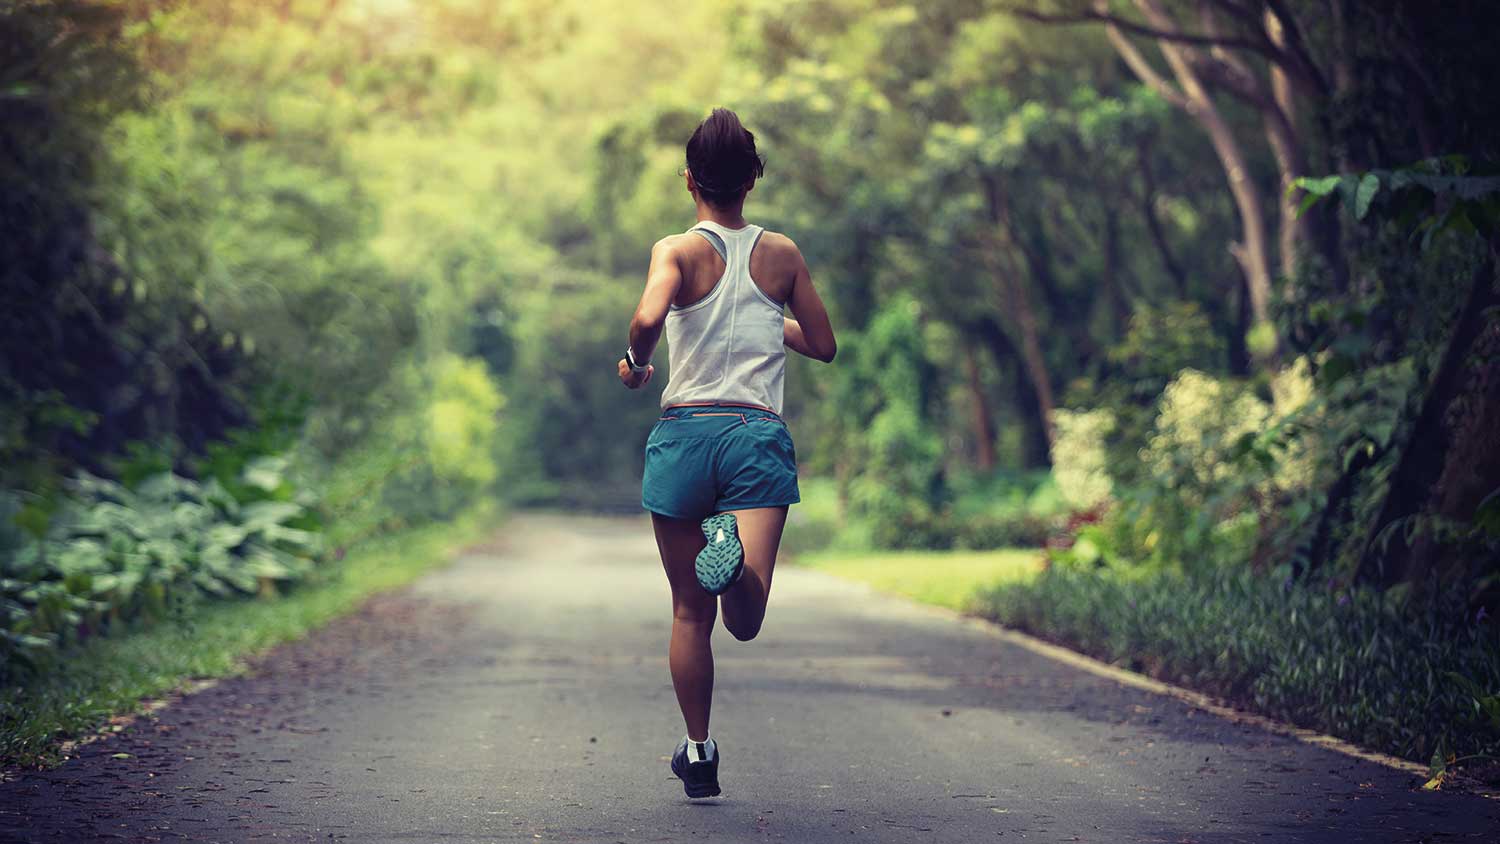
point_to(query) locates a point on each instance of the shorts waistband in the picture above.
(677, 411)
(712, 404)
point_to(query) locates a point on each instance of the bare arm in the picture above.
(810, 333)
(792, 335)
(663, 280)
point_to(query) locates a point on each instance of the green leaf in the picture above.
(1487, 514)
(1318, 187)
(1369, 185)
(263, 514)
(265, 473)
(264, 564)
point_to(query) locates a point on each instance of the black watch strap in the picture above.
(630, 361)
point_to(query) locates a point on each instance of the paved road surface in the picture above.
(522, 695)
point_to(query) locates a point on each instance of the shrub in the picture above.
(981, 511)
(1357, 663)
(432, 451)
(1079, 463)
(1008, 530)
(1222, 472)
(114, 554)
(461, 421)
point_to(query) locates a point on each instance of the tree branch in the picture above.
(1296, 61)
(1142, 68)
(1306, 69)
(1193, 39)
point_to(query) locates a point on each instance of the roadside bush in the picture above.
(1010, 530)
(1222, 476)
(112, 555)
(431, 451)
(981, 511)
(1079, 461)
(1356, 663)
(1003, 510)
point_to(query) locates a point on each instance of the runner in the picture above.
(720, 466)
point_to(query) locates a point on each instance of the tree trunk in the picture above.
(1031, 353)
(1320, 227)
(1280, 117)
(1017, 301)
(1153, 222)
(1036, 251)
(1239, 352)
(1431, 446)
(1253, 251)
(1471, 468)
(984, 425)
(1036, 444)
(1119, 307)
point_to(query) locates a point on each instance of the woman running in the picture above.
(720, 467)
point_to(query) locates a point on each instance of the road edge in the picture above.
(1198, 700)
(474, 528)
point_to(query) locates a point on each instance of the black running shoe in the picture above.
(699, 779)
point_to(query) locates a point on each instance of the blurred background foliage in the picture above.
(1199, 295)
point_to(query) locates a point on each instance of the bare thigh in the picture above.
(679, 541)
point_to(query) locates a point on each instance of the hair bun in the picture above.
(722, 158)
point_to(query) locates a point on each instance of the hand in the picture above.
(635, 380)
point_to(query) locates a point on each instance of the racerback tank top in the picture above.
(727, 346)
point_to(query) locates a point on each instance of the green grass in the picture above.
(814, 524)
(1406, 679)
(111, 675)
(950, 579)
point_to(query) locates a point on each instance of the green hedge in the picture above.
(1350, 662)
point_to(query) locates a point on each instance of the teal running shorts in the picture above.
(706, 459)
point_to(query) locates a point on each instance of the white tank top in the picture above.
(729, 345)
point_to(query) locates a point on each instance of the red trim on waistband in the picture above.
(721, 404)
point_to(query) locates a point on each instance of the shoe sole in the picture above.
(720, 562)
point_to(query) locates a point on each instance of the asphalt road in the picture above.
(522, 694)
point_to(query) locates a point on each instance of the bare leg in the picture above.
(745, 602)
(690, 655)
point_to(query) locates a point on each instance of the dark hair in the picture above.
(722, 158)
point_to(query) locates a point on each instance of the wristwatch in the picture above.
(630, 361)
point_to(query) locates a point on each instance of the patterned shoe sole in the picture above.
(720, 562)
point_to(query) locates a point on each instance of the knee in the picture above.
(694, 616)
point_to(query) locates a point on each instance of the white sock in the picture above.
(700, 751)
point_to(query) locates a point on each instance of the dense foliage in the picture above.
(115, 554)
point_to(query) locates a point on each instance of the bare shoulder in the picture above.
(782, 253)
(673, 245)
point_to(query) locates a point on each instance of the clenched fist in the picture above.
(637, 379)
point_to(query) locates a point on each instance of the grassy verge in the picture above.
(1351, 663)
(108, 676)
(952, 579)
(1413, 682)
